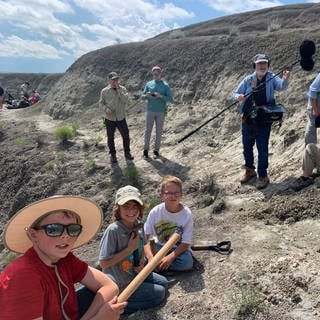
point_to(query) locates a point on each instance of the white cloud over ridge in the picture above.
(18, 47)
(238, 6)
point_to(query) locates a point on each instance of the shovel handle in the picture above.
(143, 274)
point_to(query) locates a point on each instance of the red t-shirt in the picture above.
(29, 288)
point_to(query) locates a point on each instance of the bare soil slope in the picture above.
(274, 232)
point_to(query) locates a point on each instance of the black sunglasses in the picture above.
(57, 229)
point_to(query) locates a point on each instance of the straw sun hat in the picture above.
(15, 236)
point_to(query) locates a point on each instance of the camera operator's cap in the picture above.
(156, 68)
(15, 236)
(126, 194)
(260, 58)
(113, 75)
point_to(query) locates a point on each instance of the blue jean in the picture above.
(85, 297)
(183, 262)
(149, 294)
(258, 134)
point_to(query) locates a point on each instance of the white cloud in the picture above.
(14, 46)
(232, 7)
(43, 23)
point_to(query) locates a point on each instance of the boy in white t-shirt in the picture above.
(162, 222)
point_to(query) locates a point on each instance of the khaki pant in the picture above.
(311, 158)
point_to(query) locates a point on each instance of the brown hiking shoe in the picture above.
(249, 174)
(262, 182)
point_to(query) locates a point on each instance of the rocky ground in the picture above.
(274, 232)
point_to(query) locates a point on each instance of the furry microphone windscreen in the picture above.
(307, 50)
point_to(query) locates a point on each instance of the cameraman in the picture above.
(257, 90)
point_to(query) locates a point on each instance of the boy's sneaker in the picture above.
(128, 156)
(145, 154)
(156, 154)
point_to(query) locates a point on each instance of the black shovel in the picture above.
(223, 247)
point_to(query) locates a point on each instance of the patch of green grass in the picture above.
(61, 155)
(205, 200)
(63, 134)
(20, 141)
(132, 174)
(248, 299)
(2, 124)
(95, 140)
(75, 128)
(234, 31)
(90, 163)
(50, 165)
(177, 34)
(151, 203)
(274, 25)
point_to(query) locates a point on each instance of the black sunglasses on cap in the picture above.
(57, 229)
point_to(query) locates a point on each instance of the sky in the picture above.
(47, 36)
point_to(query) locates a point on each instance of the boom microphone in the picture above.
(307, 50)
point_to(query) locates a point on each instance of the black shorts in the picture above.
(1, 92)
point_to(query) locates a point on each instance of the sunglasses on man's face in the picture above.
(57, 229)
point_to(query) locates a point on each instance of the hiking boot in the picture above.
(145, 154)
(156, 154)
(262, 182)
(113, 158)
(248, 175)
(128, 156)
(302, 182)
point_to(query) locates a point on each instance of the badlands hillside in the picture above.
(273, 271)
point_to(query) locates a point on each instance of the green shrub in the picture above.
(176, 34)
(64, 134)
(96, 140)
(274, 26)
(248, 299)
(234, 31)
(20, 141)
(151, 203)
(205, 200)
(90, 163)
(132, 173)
(75, 128)
(50, 165)
(61, 155)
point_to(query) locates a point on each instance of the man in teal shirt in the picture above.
(157, 93)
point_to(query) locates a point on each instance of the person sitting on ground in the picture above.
(24, 90)
(40, 283)
(34, 98)
(310, 161)
(121, 251)
(162, 222)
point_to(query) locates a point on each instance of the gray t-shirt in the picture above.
(115, 239)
